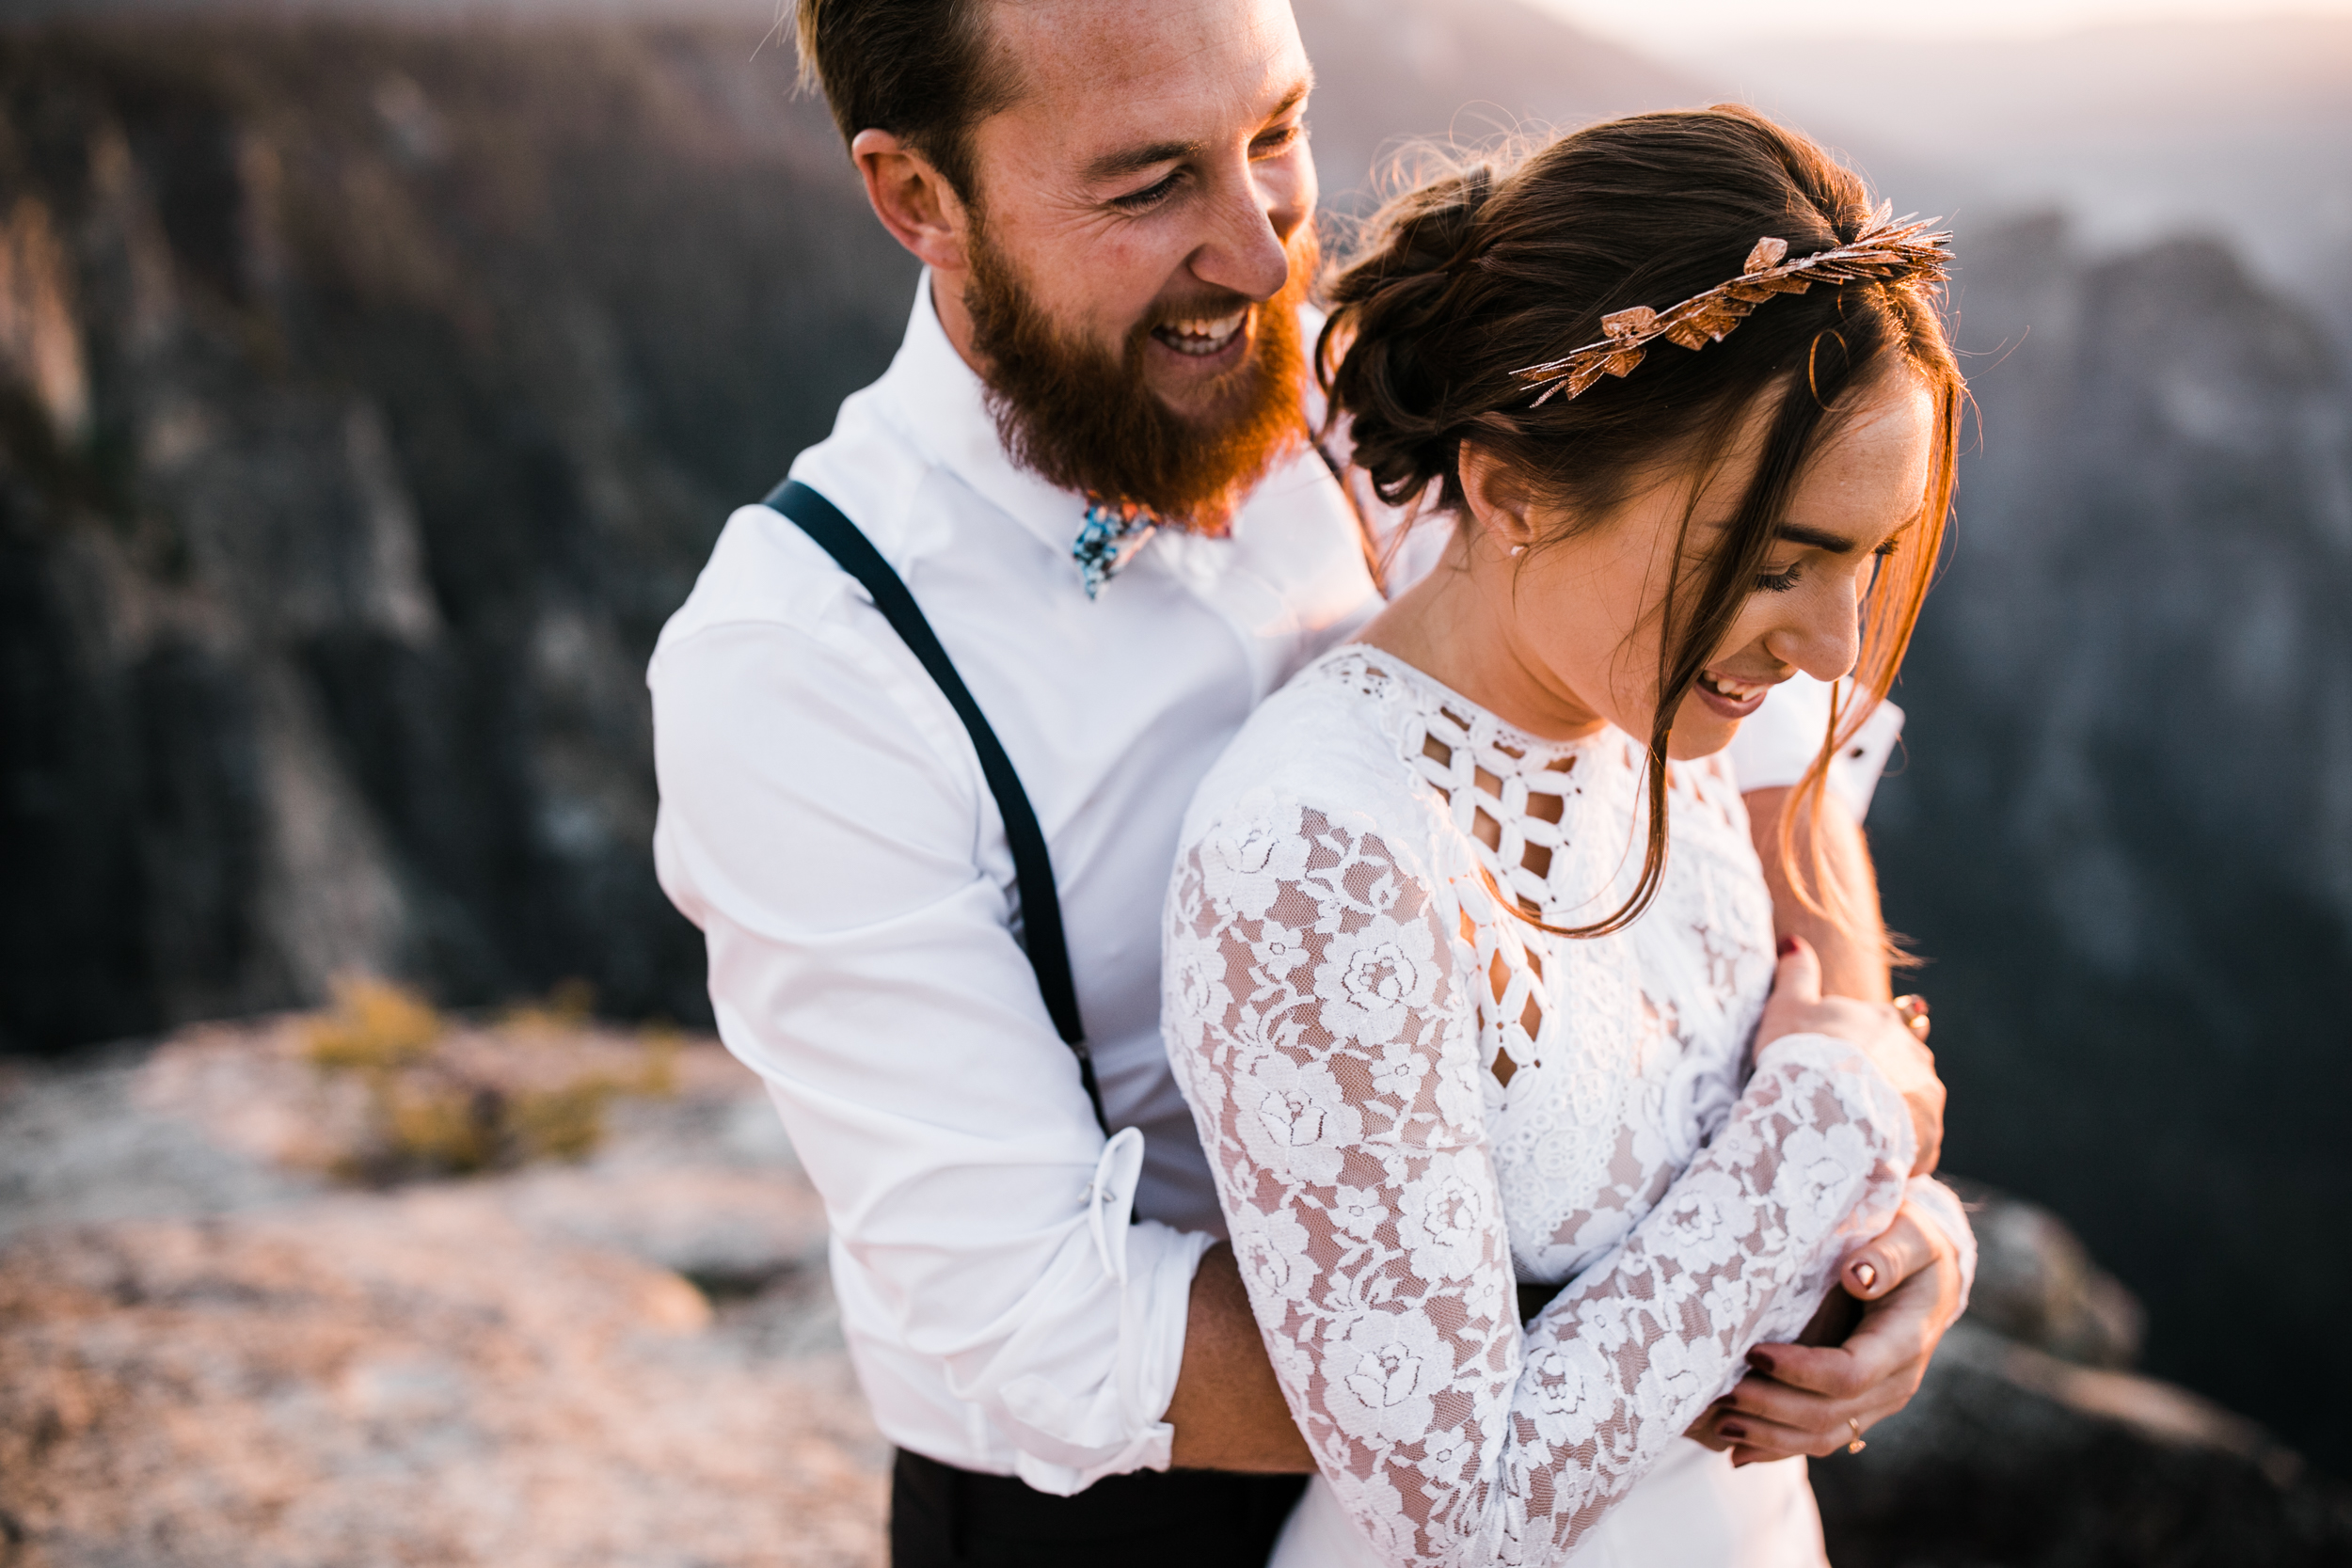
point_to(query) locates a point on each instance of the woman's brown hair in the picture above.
(1510, 262)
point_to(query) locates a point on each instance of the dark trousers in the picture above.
(943, 1517)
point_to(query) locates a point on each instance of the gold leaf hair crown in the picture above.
(1886, 252)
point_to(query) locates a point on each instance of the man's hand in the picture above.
(1228, 1411)
(1807, 1400)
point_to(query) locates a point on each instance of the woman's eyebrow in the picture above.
(1820, 539)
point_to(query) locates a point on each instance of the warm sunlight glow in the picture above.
(1670, 27)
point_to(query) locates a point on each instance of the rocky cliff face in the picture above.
(2124, 832)
(370, 399)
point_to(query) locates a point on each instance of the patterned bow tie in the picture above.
(1113, 533)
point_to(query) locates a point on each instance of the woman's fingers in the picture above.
(1796, 988)
(1765, 1399)
(1810, 1399)
(1759, 1439)
(1702, 1431)
(1766, 1420)
(1897, 1253)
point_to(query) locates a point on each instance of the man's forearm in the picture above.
(1228, 1411)
(1853, 958)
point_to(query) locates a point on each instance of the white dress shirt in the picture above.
(824, 822)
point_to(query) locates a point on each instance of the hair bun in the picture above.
(1399, 304)
(1438, 226)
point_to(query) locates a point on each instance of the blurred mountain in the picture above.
(2238, 130)
(371, 393)
(372, 397)
(2123, 832)
(1466, 71)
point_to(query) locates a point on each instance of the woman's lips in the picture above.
(1730, 698)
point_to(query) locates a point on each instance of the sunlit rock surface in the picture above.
(211, 1354)
(215, 1348)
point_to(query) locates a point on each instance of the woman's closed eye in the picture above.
(1788, 576)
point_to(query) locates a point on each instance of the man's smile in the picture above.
(1203, 337)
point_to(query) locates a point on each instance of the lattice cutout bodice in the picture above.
(1630, 1043)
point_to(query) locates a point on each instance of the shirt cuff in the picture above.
(1778, 742)
(1064, 1447)
(1153, 1305)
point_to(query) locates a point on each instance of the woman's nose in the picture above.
(1823, 636)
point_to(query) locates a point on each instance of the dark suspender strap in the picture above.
(1032, 867)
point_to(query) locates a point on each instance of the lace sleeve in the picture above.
(1320, 1026)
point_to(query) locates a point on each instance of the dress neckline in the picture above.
(1527, 751)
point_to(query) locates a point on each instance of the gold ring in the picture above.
(1912, 1009)
(1857, 1444)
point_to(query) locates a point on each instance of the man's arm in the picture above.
(819, 822)
(1228, 1411)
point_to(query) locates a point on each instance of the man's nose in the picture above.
(1244, 251)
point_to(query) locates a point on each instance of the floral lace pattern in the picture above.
(1411, 1101)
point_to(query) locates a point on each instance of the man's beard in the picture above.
(1084, 418)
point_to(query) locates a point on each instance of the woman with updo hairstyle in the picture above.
(1526, 1137)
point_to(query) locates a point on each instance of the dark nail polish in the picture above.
(1787, 945)
(1761, 1362)
(1732, 1430)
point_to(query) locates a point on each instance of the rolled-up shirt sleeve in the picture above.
(824, 823)
(1776, 745)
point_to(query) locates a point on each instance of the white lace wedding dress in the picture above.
(1413, 1099)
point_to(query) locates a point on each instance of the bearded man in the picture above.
(1089, 464)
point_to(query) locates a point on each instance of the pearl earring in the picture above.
(1519, 549)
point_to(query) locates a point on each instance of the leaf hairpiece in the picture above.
(1885, 252)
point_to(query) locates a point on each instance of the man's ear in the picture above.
(1497, 497)
(912, 199)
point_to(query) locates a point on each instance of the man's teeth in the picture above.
(1201, 335)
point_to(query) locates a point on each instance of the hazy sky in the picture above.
(1669, 26)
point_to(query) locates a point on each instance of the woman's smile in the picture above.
(1732, 698)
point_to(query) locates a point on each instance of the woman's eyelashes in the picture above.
(1788, 576)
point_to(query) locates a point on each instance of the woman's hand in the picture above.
(1820, 1399)
(1875, 1028)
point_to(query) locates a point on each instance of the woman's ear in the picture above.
(1498, 498)
(912, 199)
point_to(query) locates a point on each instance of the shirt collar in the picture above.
(945, 408)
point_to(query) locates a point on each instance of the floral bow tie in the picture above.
(1112, 535)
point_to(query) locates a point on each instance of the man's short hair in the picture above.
(922, 70)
